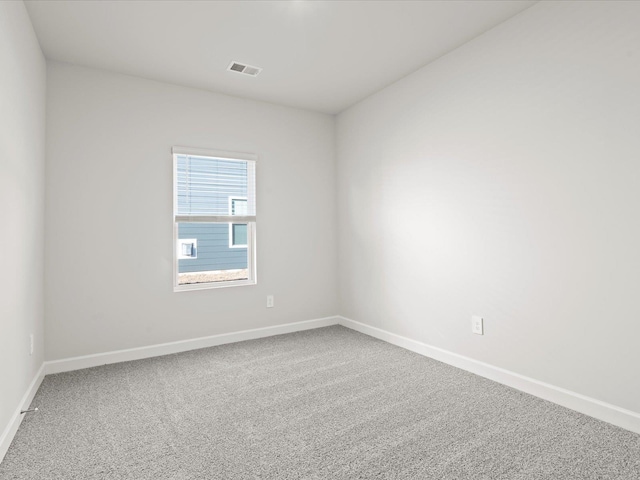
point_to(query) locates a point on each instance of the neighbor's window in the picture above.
(214, 219)
(237, 231)
(187, 248)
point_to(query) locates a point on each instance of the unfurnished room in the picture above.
(319, 240)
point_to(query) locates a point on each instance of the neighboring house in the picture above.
(212, 246)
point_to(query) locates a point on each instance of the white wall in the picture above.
(108, 257)
(503, 180)
(22, 140)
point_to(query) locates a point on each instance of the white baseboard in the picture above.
(16, 418)
(607, 412)
(88, 361)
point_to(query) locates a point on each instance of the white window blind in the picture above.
(204, 185)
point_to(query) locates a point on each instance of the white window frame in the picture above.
(231, 245)
(250, 221)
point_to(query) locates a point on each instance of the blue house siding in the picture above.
(213, 251)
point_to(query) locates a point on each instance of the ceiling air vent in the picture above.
(245, 69)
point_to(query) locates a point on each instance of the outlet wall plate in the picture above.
(477, 325)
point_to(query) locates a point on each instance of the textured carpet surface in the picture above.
(327, 403)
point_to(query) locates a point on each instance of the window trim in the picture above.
(231, 245)
(250, 221)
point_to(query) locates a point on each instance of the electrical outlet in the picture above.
(269, 301)
(31, 344)
(477, 325)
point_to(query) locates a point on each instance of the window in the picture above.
(187, 248)
(214, 213)
(237, 231)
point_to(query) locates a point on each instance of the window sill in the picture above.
(213, 285)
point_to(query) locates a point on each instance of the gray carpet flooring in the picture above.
(322, 404)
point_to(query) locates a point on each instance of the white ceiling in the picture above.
(318, 55)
